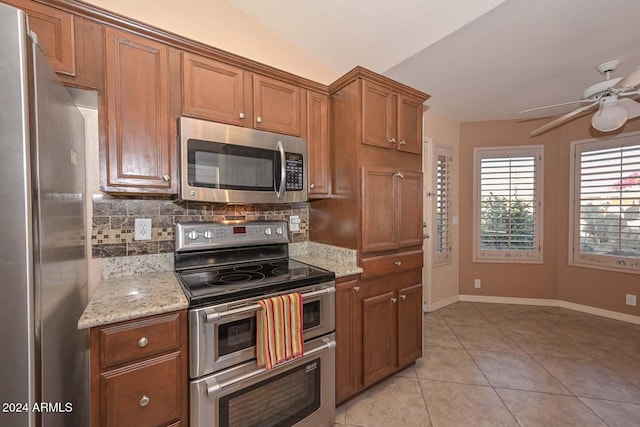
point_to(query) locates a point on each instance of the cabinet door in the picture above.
(276, 106)
(213, 90)
(409, 214)
(409, 324)
(409, 124)
(54, 29)
(140, 147)
(378, 209)
(318, 139)
(378, 115)
(145, 394)
(348, 339)
(378, 337)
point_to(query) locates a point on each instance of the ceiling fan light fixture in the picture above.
(610, 117)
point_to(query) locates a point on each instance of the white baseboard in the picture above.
(445, 302)
(549, 303)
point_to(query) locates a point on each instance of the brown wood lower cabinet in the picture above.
(378, 329)
(139, 372)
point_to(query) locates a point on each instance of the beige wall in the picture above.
(553, 279)
(218, 24)
(441, 280)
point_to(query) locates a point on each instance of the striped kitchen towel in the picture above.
(279, 330)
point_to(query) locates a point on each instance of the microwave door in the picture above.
(279, 170)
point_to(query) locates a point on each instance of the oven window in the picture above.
(281, 401)
(311, 315)
(236, 336)
(230, 167)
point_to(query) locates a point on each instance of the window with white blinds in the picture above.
(508, 204)
(606, 208)
(442, 194)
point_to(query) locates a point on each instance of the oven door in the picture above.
(300, 392)
(225, 335)
(230, 164)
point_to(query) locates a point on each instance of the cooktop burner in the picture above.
(215, 284)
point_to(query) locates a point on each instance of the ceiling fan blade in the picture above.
(554, 105)
(630, 80)
(563, 119)
(632, 107)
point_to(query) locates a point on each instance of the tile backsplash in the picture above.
(113, 222)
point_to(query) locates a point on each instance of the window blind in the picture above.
(443, 205)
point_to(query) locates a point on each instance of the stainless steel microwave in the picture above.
(230, 164)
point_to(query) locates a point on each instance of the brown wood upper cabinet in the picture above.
(391, 119)
(217, 91)
(391, 209)
(139, 151)
(55, 31)
(318, 140)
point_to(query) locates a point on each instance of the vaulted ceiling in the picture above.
(479, 59)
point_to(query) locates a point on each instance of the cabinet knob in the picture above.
(399, 175)
(392, 141)
(241, 115)
(356, 288)
(166, 178)
(394, 300)
(398, 263)
(403, 297)
(403, 142)
(312, 186)
(143, 342)
(259, 119)
(144, 400)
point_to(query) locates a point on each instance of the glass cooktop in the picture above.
(218, 284)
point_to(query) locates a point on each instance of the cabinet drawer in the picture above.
(394, 263)
(137, 339)
(144, 394)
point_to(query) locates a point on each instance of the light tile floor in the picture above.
(510, 365)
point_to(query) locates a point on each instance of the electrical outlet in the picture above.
(294, 223)
(476, 283)
(142, 229)
(631, 299)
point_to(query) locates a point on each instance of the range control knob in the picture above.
(267, 231)
(279, 230)
(208, 234)
(193, 234)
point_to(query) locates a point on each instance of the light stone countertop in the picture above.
(140, 286)
(343, 262)
(132, 297)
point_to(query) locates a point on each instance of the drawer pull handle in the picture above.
(356, 288)
(403, 142)
(394, 300)
(392, 141)
(398, 263)
(144, 401)
(403, 297)
(143, 342)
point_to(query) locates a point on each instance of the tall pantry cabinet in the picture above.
(375, 208)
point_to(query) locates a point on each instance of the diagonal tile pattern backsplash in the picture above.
(113, 222)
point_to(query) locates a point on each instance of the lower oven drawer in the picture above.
(224, 335)
(300, 392)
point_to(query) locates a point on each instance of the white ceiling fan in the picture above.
(609, 96)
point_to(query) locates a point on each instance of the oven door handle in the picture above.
(212, 317)
(217, 387)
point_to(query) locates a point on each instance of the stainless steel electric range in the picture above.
(225, 269)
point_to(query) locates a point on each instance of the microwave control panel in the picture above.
(295, 172)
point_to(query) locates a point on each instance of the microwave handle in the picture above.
(283, 170)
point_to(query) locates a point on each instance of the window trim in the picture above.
(442, 258)
(514, 256)
(597, 261)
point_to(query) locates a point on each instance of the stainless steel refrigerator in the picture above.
(44, 378)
